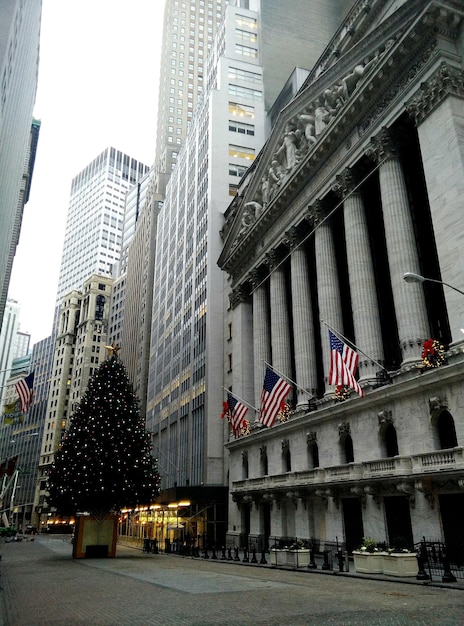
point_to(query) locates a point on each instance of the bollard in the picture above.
(421, 561)
(245, 556)
(448, 576)
(214, 555)
(206, 555)
(236, 556)
(312, 562)
(155, 546)
(253, 553)
(263, 557)
(340, 560)
(223, 553)
(325, 564)
(146, 545)
(229, 553)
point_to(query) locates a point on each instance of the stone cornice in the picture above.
(446, 81)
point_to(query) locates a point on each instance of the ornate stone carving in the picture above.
(385, 417)
(446, 81)
(436, 404)
(345, 183)
(382, 146)
(238, 295)
(285, 444)
(344, 429)
(311, 437)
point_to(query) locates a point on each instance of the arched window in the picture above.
(391, 441)
(245, 464)
(348, 449)
(446, 430)
(286, 456)
(263, 461)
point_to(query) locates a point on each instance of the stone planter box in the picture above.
(368, 562)
(400, 564)
(290, 558)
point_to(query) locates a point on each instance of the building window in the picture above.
(246, 51)
(237, 170)
(242, 110)
(245, 92)
(241, 152)
(241, 128)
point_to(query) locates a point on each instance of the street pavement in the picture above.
(42, 585)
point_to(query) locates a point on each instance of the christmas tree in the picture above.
(104, 462)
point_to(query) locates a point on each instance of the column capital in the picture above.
(293, 237)
(238, 295)
(382, 146)
(444, 82)
(345, 183)
(273, 258)
(315, 212)
(256, 277)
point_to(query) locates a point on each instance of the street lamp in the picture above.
(411, 277)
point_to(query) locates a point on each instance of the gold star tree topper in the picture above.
(113, 350)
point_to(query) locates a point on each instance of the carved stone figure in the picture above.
(288, 147)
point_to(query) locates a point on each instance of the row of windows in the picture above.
(240, 127)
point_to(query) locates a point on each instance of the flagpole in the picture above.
(336, 332)
(240, 399)
(289, 379)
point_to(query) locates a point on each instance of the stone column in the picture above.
(328, 289)
(303, 324)
(241, 340)
(438, 109)
(408, 298)
(261, 332)
(364, 304)
(280, 322)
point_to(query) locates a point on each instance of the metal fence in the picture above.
(436, 559)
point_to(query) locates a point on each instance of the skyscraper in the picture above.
(93, 236)
(188, 33)
(19, 58)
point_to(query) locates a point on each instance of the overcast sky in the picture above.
(98, 86)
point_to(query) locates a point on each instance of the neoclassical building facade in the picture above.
(360, 182)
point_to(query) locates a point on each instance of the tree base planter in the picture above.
(400, 564)
(368, 562)
(290, 558)
(94, 538)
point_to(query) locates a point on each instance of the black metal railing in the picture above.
(437, 559)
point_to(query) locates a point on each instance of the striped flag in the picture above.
(275, 389)
(24, 389)
(343, 364)
(237, 412)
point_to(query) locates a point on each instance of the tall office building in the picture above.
(93, 236)
(8, 334)
(19, 58)
(188, 33)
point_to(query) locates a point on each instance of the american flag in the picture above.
(275, 389)
(24, 389)
(237, 412)
(343, 364)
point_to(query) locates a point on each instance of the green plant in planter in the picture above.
(369, 545)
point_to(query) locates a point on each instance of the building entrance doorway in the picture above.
(398, 518)
(452, 512)
(352, 520)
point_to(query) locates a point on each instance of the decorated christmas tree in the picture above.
(104, 462)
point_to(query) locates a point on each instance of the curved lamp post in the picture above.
(410, 277)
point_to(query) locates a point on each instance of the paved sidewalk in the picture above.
(41, 585)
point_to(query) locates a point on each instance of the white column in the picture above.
(328, 289)
(303, 327)
(280, 322)
(241, 338)
(408, 298)
(261, 333)
(439, 127)
(364, 304)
